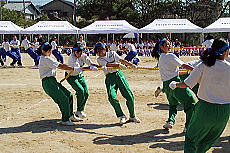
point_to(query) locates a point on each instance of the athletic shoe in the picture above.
(185, 130)
(80, 114)
(168, 125)
(20, 66)
(74, 118)
(68, 123)
(134, 119)
(12, 66)
(122, 119)
(158, 91)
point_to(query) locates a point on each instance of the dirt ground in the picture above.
(28, 117)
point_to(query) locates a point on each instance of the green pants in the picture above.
(79, 85)
(116, 81)
(206, 126)
(195, 88)
(177, 96)
(60, 95)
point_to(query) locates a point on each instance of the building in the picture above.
(59, 8)
(31, 11)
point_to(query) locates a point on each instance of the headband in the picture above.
(100, 45)
(220, 51)
(78, 48)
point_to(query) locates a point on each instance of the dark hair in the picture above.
(46, 47)
(98, 46)
(78, 47)
(5, 39)
(157, 49)
(208, 56)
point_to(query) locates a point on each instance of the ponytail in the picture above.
(210, 55)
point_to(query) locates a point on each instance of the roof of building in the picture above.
(63, 1)
(18, 6)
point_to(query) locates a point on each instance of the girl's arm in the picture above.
(188, 67)
(65, 67)
(173, 85)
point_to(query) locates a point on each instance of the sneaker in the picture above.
(185, 130)
(80, 114)
(158, 91)
(168, 125)
(12, 66)
(74, 118)
(68, 123)
(122, 119)
(20, 66)
(134, 119)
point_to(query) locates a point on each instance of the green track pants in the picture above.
(60, 95)
(115, 81)
(177, 96)
(78, 83)
(206, 126)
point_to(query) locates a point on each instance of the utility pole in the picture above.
(75, 13)
(24, 11)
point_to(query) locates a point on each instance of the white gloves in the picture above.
(104, 68)
(77, 69)
(172, 85)
(93, 68)
(122, 66)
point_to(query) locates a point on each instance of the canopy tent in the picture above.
(8, 27)
(131, 35)
(108, 27)
(220, 25)
(171, 26)
(51, 27)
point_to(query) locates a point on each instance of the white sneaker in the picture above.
(74, 118)
(80, 114)
(68, 123)
(158, 91)
(168, 125)
(134, 119)
(122, 119)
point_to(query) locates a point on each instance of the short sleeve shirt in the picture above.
(54, 45)
(214, 82)
(110, 57)
(78, 62)
(47, 66)
(169, 66)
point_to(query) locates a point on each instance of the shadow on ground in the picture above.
(160, 106)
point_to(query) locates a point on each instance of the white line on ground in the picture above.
(13, 84)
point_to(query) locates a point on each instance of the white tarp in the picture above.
(220, 25)
(8, 27)
(109, 26)
(131, 35)
(51, 27)
(171, 26)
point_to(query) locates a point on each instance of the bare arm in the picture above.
(65, 67)
(186, 66)
(125, 62)
(181, 85)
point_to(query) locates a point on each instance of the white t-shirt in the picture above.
(6, 46)
(110, 57)
(54, 45)
(35, 45)
(78, 62)
(15, 44)
(26, 44)
(114, 47)
(83, 43)
(208, 43)
(214, 82)
(194, 63)
(169, 66)
(130, 47)
(47, 66)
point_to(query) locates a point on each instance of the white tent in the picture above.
(221, 25)
(8, 27)
(51, 27)
(109, 27)
(131, 35)
(171, 26)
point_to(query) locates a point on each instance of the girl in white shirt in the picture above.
(55, 51)
(212, 112)
(7, 50)
(169, 65)
(60, 95)
(76, 80)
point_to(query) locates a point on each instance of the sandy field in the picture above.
(28, 117)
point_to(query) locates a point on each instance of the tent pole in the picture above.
(201, 38)
(107, 38)
(58, 40)
(48, 38)
(3, 36)
(113, 37)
